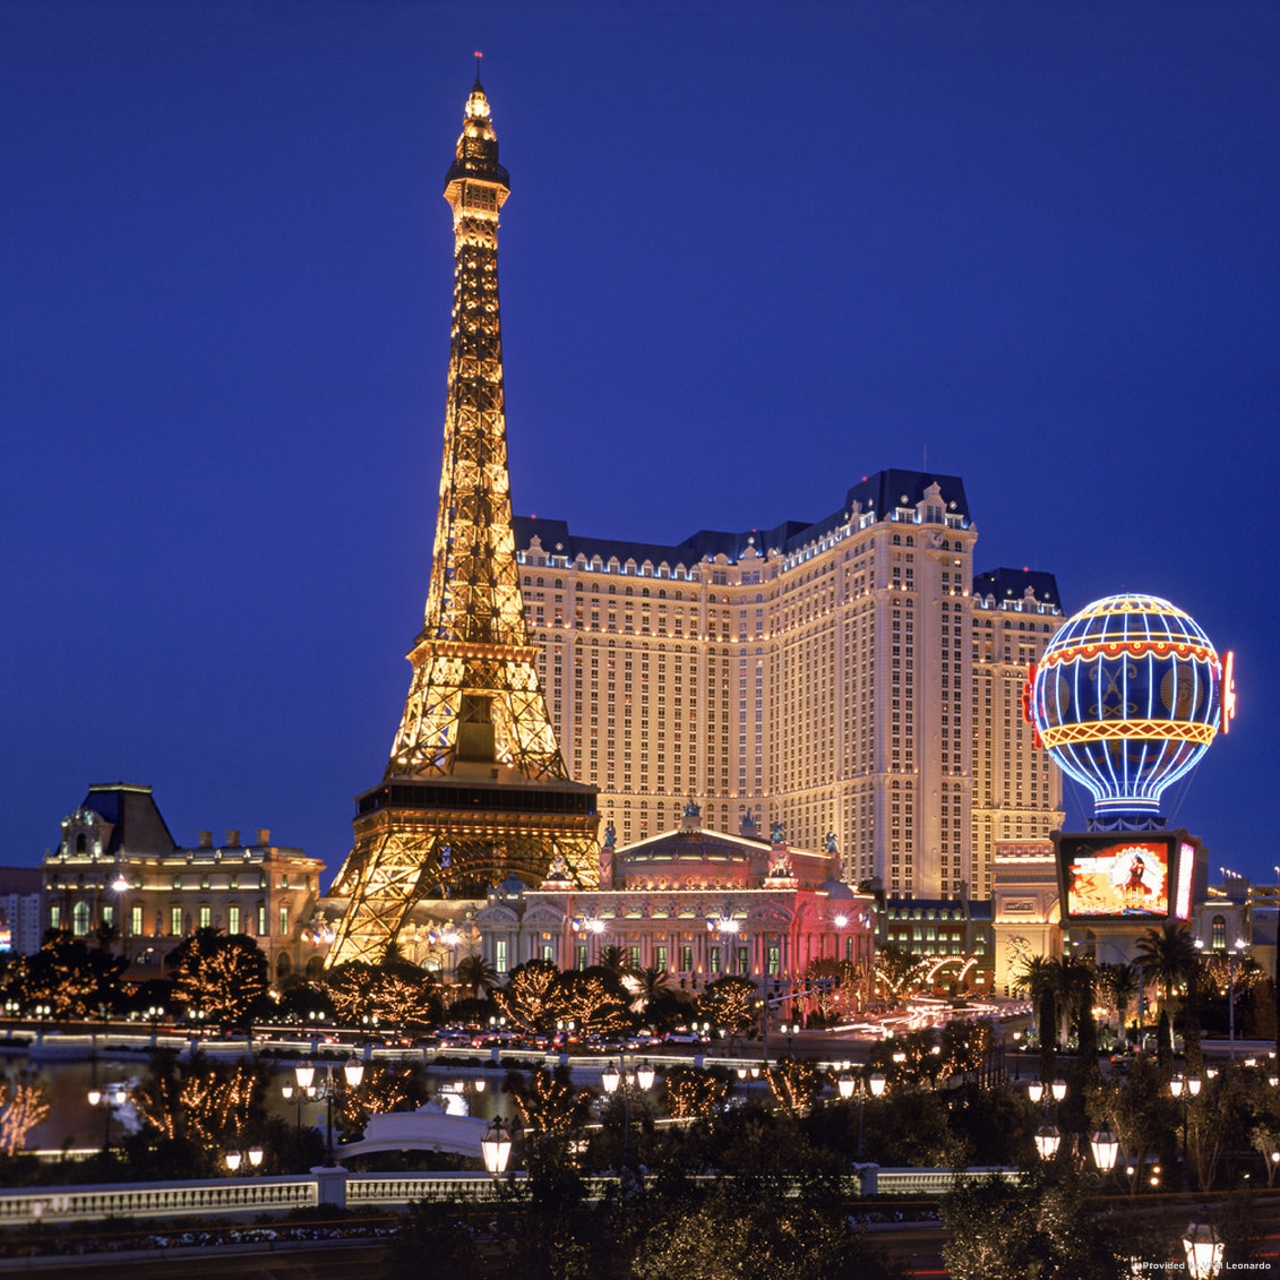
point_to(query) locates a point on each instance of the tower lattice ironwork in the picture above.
(476, 789)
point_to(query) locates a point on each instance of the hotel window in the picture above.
(262, 922)
(80, 919)
(233, 919)
(714, 959)
(135, 920)
(580, 956)
(175, 922)
(206, 917)
(660, 957)
(633, 958)
(546, 953)
(284, 921)
(500, 954)
(744, 961)
(1218, 933)
(686, 959)
(774, 960)
(55, 917)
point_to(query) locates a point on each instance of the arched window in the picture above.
(80, 919)
(1218, 933)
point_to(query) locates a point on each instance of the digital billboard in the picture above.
(1146, 875)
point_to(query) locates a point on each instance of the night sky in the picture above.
(752, 253)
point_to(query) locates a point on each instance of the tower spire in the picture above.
(475, 724)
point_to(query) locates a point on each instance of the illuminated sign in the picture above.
(1147, 875)
(1186, 873)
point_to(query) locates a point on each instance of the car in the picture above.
(682, 1037)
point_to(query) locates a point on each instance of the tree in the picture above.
(730, 1003)
(1039, 980)
(728, 1233)
(477, 975)
(1119, 983)
(192, 1108)
(73, 979)
(530, 995)
(593, 999)
(645, 988)
(614, 959)
(24, 1104)
(549, 1104)
(391, 1089)
(220, 978)
(1168, 957)
(694, 1093)
(795, 1083)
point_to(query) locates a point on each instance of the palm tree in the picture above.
(1169, 956)
(1075, 978)
(1039, 979)
(476, 974)
(1120, 984)
(614, 959)
(645, 987)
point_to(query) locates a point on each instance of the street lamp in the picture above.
(234, 1159)
(109, 1100)
(613, 1080)
(1035, 1091)
(304, 1073)
(495, 1147)
(876, 1083)
(1106, 1148)
(1235, 955)
(1203, 1247)
(1059, 1088)
(1048, 1139)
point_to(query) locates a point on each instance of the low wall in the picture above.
(340, 1188)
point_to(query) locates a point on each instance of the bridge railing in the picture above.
(339, 1188)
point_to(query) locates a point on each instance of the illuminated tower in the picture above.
(476, 789)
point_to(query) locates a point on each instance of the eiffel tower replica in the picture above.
(476, 789)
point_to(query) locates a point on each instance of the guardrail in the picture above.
(339, 1188)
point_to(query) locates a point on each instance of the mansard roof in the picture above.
(136, 822)
(1012, 584)
(880, 494)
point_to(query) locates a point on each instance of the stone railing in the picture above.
(157, 1199)
(337, 1187)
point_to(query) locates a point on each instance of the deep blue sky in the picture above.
(752, 253)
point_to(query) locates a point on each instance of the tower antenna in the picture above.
(479, 55)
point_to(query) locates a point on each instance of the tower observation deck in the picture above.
(476, 789)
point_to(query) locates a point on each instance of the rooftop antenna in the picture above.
(479, 55)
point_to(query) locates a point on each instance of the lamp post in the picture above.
(1232, 959)
(304, 1073)
(495, 1147)
(876, 1083)
(1185, 1089)
(1203, 1247)
(234, 1159)
(612, 1079)
(1048, 1140)
(1106, 1148)
(109, 1100)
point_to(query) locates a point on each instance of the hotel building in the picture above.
(850, 677)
